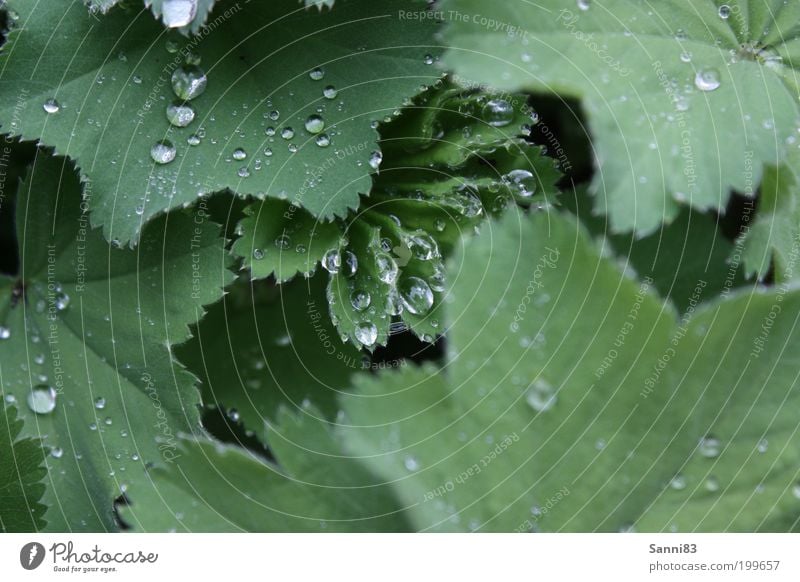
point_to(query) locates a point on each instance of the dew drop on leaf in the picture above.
(498, 113)
(5, 333)
(375, 160)
(178, 13)
(360, 300)
(411, 463)
(315, 124)
(163, 152)
(180, 114)
(283, 242)
(239, 154)
(100, 403)
(42, 399)
(709, 447)
(323, 140)
(707, 79)
(317, 74)
(416, 295)
(387, 268)
(367, 333)
(332, 261)
(51, 106)
(287, 133)
(258, 254)
(541, 396)
(523, 182)
(678, 482)
(724, 11)
(330, 92)
(57, 452)
(189, 82)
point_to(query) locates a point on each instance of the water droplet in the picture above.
(292, 148)
(438, 280)
(523, 182)
(323, 140)
(243, 172)
(541, 396)
(707, 79)
(314, 124)
(678, 482)
(62, 301)
(51, 106)
(387, 268)
(367, 333)
(287, 133)
(498, 113)
(428, 59)
(584, 4)
(416, 295)
(796, 490)
(350, 263)
(5, 333)
(180, 114)
(709, 447)
(763, 445)
(360, 300)
(724, 11)
(439, 225)
(332, 261)
(330, 92)
(686, 57)
(57, 453)
(375, 159)
(317, 74)
(42, 399)
(283, 242)
(258, 254)
(178, 13)
(100, 403)
(233, 414)
(411, 463)
(712, 484)
(422, 245)
(163, 152)
(189, 82)
(239, 154)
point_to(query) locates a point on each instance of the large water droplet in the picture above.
(317, 74)
(350, 263)
(100, 403)
(239, 154)
(416, 295)
(707, 79)
(367, 333)
(163, 152)
(189, 82)
(498, 113)
(323, 140)
(724, 11)
(523, 182)
(42, 399)
(360, 300)
(330, 92)
(315, 124)
(51, 106)
(387, 268)
(180, 114)
(178, 13)
(287, 133)
(422, 245)
(57, 453)
(541, 396)
(332, 261)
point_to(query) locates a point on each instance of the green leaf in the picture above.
(312, 488)
(660, 140)
(21, 473)
(771, 241)
(91, 332)
(112, 83)
(572, 399)
(452, 158)
(686, 260)
(264, 346)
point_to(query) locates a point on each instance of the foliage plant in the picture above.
(344, 265)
